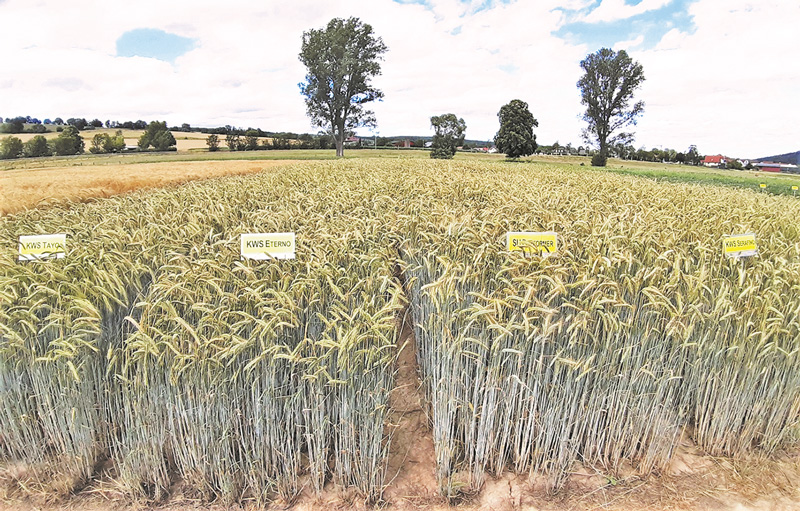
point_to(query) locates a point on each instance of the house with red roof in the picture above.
(715, 161)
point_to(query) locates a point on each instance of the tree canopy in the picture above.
(105, 143)
(516, 137)
(607, 87)
(448, 135)
(212, 142)
(157, 135)
(68, 142)
(36, 147)
(10, 147)
(341, 60)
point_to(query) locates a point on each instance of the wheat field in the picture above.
(154, 345)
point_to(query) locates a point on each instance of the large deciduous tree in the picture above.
(448, 135)
(157, 135)
(250, 140)
(233, 141)
(212, 142)
(11, 147)
(68, 142)
(516, 137)
(341, 60)
(105, 143)
(693, 157)
(36, 147)
(607, 87)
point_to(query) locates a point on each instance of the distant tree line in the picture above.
(258, 140)
(28, 124)
(627, 152)
(157, 136)
(67, 142)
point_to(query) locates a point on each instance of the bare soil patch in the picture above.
(23, 189)
(411, 473)
(712, 484)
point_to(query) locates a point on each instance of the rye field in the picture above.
(153, 348)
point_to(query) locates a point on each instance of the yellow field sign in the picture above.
(268, 245)
(740, 245)
(794, 187)
(42, 246)
(763, 185)
(544, 242)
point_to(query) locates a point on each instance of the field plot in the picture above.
(32, 188)
(606, 351)
(152, 353)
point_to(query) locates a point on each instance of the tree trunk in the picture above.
(338, 136)
(603, 144)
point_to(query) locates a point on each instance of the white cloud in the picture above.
(731, 86)
(711, 88)
(627, 45)
(614, 10)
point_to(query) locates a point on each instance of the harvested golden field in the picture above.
(34, 188)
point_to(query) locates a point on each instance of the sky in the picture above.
(723, 75)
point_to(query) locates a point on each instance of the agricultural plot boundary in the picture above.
(154, 346)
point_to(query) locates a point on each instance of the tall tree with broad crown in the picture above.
(516, 137)
(341, 60)
(448, 135)
(607, 86)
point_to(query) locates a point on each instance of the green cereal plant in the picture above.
(155, 346)
(637, 330)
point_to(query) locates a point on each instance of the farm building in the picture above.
(715, 161)
(768, 166)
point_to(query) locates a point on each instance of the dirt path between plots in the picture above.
(411, 473)
(25, 188)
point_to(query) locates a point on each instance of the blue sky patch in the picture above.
(426, 3)
(651, 25)
(508, 68)
(153, 43)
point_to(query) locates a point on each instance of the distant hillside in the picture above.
(790, 158)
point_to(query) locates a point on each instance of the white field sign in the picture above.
(42, 246)
(268, 245)
(740, 245)
(544, 242)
